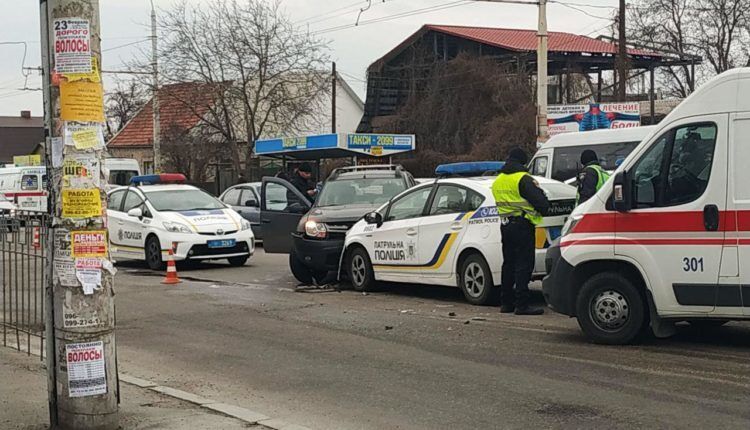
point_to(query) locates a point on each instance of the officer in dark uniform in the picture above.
(592, 178)
(521, 205)
(301, 178)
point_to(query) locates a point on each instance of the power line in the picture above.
(570, 6)
(124, 45)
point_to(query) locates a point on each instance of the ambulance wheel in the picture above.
(238, 261)
(360, 270)
(611, 310)
(153, 253)
(475, 280)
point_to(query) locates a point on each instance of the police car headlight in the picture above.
(176, 227)
(570, 224)
(245, 225)
(315, 229)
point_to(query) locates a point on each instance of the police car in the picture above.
(445, 232)
(159, 212)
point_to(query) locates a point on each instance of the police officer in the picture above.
(592, 178)
(520, 204)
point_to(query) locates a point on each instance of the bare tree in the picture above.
(714, 29)
(190, 151)
(468, 108)
(268, 75)
(123, 104)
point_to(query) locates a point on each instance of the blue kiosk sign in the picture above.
(336, 146)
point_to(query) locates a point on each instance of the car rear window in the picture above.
(566, 163)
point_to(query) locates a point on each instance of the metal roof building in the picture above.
(390, 78)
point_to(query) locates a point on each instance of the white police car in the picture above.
(146, 220)
(446, 232)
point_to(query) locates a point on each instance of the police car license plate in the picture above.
(226, 243)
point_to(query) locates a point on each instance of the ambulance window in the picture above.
(453, 199)
(539, 166)
(132, 200)
(115, 200)
(410, 205)
(29, 182)
(647, 174)
(690, 164)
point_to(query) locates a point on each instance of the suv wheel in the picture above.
(611, 310)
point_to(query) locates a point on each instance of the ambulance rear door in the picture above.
(674, 230)
(739, 198)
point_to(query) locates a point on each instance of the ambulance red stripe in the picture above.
(660, 222)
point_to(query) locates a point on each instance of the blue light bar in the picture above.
(471, 168)
(164, 178)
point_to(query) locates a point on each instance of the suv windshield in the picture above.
(183, 200)
(360, 191)
(121, 177)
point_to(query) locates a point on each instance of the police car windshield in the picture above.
(182, 200)
(359, 191)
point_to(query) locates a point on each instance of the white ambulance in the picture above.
(25, 187)
(668, 238)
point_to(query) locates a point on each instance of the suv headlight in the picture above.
(570, 224)
(245, 225)
(176, 227)
(316, 229)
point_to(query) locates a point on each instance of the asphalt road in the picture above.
(414, 357)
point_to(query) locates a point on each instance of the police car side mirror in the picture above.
(621, 193)
(374, 218)
(136, 213)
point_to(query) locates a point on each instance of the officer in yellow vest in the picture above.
(592, 178)
(520, 205)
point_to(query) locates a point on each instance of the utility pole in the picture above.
(541, 73)
(333, 99)
(155, 98)
(622, 63)
(79, 299)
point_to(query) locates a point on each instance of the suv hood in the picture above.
(341, 214)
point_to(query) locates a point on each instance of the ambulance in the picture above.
(25, 187)
(446, 232)
(667, 239)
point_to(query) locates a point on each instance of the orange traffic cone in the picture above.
(36, 241)
(171, 277)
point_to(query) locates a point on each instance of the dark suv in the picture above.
(313, 234)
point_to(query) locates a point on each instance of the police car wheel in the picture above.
(360, 270)
(238, 261)
(475, 280)
(153, 254)
(611, 310)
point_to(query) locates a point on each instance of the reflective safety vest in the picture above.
(508, 198)
(602, 177)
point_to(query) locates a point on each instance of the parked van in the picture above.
(121, 170)
(25, 187)
(668, 238)
(560, 157)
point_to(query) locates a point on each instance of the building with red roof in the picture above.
(390, 78)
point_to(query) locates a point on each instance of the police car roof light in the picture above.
(163, 178)
(468, 169)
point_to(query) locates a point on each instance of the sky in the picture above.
(125, 31)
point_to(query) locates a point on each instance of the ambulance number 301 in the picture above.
(692, 264)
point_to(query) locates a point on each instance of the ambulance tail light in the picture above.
(316, 229)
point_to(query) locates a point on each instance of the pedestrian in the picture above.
(301, 179)
(591, 178)
(520, 205)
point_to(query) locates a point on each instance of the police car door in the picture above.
(394, 251)
(673, 230)
(115, 221)
(132, 232)
(441, 231)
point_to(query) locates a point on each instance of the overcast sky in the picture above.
(124, 22)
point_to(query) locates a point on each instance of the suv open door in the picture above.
(282, 206)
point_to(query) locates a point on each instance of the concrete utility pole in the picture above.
(622, 61)
(80, 320)
(333, 98)
(155, 98)
(541, 73)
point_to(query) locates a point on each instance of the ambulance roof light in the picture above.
(163, 178)
(469, 169)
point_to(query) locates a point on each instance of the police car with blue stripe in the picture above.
(157, 213)
(446, 232)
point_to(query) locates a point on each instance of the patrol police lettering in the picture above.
(390, 251)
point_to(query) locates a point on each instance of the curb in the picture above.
(242, 414)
